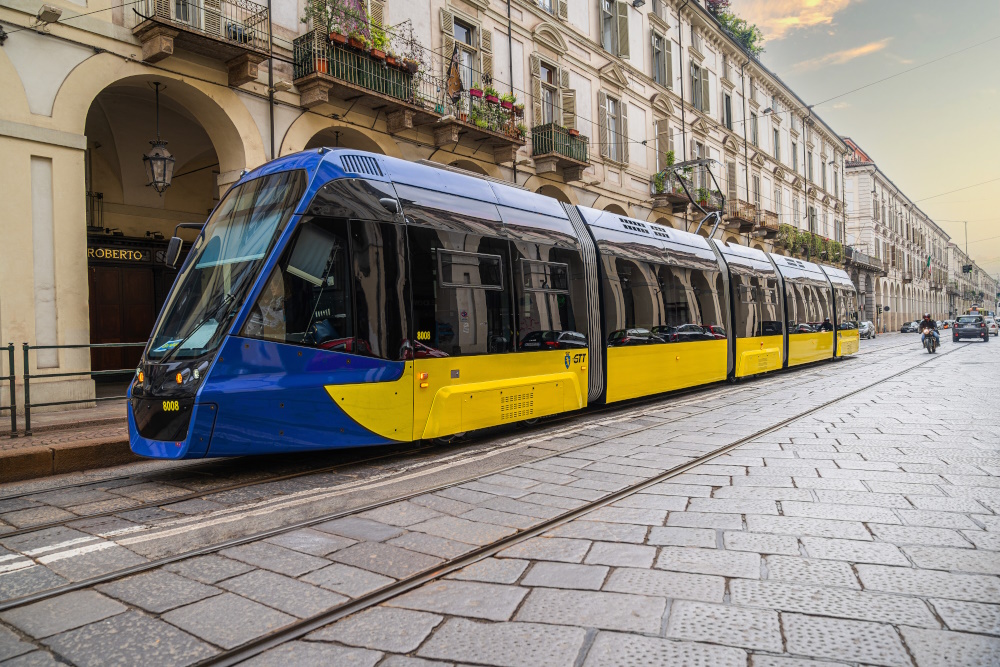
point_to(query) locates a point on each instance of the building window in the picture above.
(753, 129)
(812, 219)
(699, 84)
(727, 110)
(614, 27)
(796, 212)
(664, 143)
(613, 127)
(836, 183)
(464, 36)
(822, 172)
(795, 157)
(756, 191)
(662, 61)
(777, 145)
(696, 40)
(809, 166)
(777, 204)
(550, 92)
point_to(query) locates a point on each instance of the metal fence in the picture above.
(241, 22)
(28, 377)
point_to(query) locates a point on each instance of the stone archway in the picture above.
(664, 222)
(555, 193)
(470, 165)
(617, 210)
(312, 131)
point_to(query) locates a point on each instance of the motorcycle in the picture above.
(930, 342)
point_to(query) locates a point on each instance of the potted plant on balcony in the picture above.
(519, 110)
(326, 16)
(379, 42)
(659, 182)
(482, 123)
(522, 130)
(702, 196)
(573, 132)
(491, 95)
(476, 90)
(507, 101)
(357, 41)
(463, 114)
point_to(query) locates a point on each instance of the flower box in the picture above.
(378, 54)
(475, 92)
(574, 133)
(507, 105)
(337, 38)
(355, 43)
(492, 99)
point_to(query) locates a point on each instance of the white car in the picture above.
(991, 325)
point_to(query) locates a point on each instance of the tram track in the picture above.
(195, 466)
(630, 412)
(302, 627)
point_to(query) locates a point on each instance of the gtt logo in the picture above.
(566, 361)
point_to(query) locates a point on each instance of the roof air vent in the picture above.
(634, 226)
(361, 164)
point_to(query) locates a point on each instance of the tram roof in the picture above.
(745, 255)
(793, 268)
(651, 233)
(838, 276)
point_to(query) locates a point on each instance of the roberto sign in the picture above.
(119, 254)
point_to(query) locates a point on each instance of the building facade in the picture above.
(913, 250)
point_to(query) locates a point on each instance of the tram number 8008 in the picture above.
(171, 406)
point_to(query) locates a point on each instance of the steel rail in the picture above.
(262, 535)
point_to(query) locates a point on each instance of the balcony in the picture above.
(710, 200)
(864, 260)
(233, 31)
(907, 276)
(668, 191)
(768, 225)
(554, 148)
(489, 123)
(322, 68)
(741, 215)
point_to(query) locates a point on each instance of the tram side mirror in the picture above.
(391, 205)
(173, 251)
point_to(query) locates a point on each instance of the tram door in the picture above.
(122, 310)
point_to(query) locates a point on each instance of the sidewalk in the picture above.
(66, 441)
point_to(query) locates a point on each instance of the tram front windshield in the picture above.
(223, 263)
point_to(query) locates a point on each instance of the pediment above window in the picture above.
(612, 73)
(700, 126)
(661, 102)
(779, 173)
(548, 35)
(730, 143)
(757, 159)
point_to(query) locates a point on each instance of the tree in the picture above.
(746, 33)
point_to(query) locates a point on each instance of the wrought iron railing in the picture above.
(312, 53)
(769, 221)
(738, 209)
(241, 22)
(12, 401)
(669, 185)
(485, 114)
(552, 138)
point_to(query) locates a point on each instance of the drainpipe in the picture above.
(680, 44)
(746, 121)
(510, 60)
(270, 77)
(805, 169)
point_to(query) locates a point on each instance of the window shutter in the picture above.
(602, 121)
(623, 135)
(535, 67)
(663, 143)
(623, 46)
(448, 37)
(563, 77)
(563, 11)
(376, 10)
(705, 99)
(486, 54)
(569, 108)
(668, 53)
(213, 10)
(732, 189)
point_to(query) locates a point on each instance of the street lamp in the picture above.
(158, 161)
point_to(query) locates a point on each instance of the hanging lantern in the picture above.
(158, 161)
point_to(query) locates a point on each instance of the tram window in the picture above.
(674, 303)
(381, 289)
(545, 308)
(461, 294)
(756, 306)
(307, 299)
(846, 309)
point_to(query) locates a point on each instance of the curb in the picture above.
(32, 462)
(64, 426)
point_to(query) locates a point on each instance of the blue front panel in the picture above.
(271, 397)
(192, 447)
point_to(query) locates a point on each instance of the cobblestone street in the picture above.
(841, 514)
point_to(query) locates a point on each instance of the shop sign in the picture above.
(119, 254)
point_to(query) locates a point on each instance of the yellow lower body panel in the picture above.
(653, 369)
(385, 408)
(848, 342)
(804, 348)
(758, 355)
(458, 394)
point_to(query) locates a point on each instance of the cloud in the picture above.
(777, 18)
(844, 56)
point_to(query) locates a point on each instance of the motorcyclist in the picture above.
(928, 323)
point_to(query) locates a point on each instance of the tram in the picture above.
(336, 298)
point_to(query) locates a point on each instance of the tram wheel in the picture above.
(451, 439)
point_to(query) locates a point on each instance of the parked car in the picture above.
(970, 326)
(991, 326)
(554, 340)
(909, 327)
(623, 337)
(866, 329)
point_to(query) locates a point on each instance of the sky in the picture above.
(931, 131)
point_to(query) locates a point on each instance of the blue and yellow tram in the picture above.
(338, 299)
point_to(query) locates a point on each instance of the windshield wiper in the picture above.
(225, 301)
